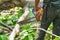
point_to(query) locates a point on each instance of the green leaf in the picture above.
(3, 37)
(23, 34)
(26, 27)
(26, 38)
(30, 37)
(0, 38)
(56, 38)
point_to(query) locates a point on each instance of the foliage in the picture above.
(3, 37)
(27, 33)
(10, 18)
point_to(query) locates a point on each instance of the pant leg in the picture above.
(44, 25)
(56, 23)
(46, 22)
(56, 29)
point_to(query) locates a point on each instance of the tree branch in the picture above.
(17, 26)
(45, 30)
(6, 26)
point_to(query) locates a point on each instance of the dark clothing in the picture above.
(53, 15)
(54, 2)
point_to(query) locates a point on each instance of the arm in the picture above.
(39, 10)
(36, 4)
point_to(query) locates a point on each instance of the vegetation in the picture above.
(10, 17)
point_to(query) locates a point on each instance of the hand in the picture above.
(39, 14)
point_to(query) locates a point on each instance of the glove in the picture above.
(39, 14)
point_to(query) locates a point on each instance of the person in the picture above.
(52, 15)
